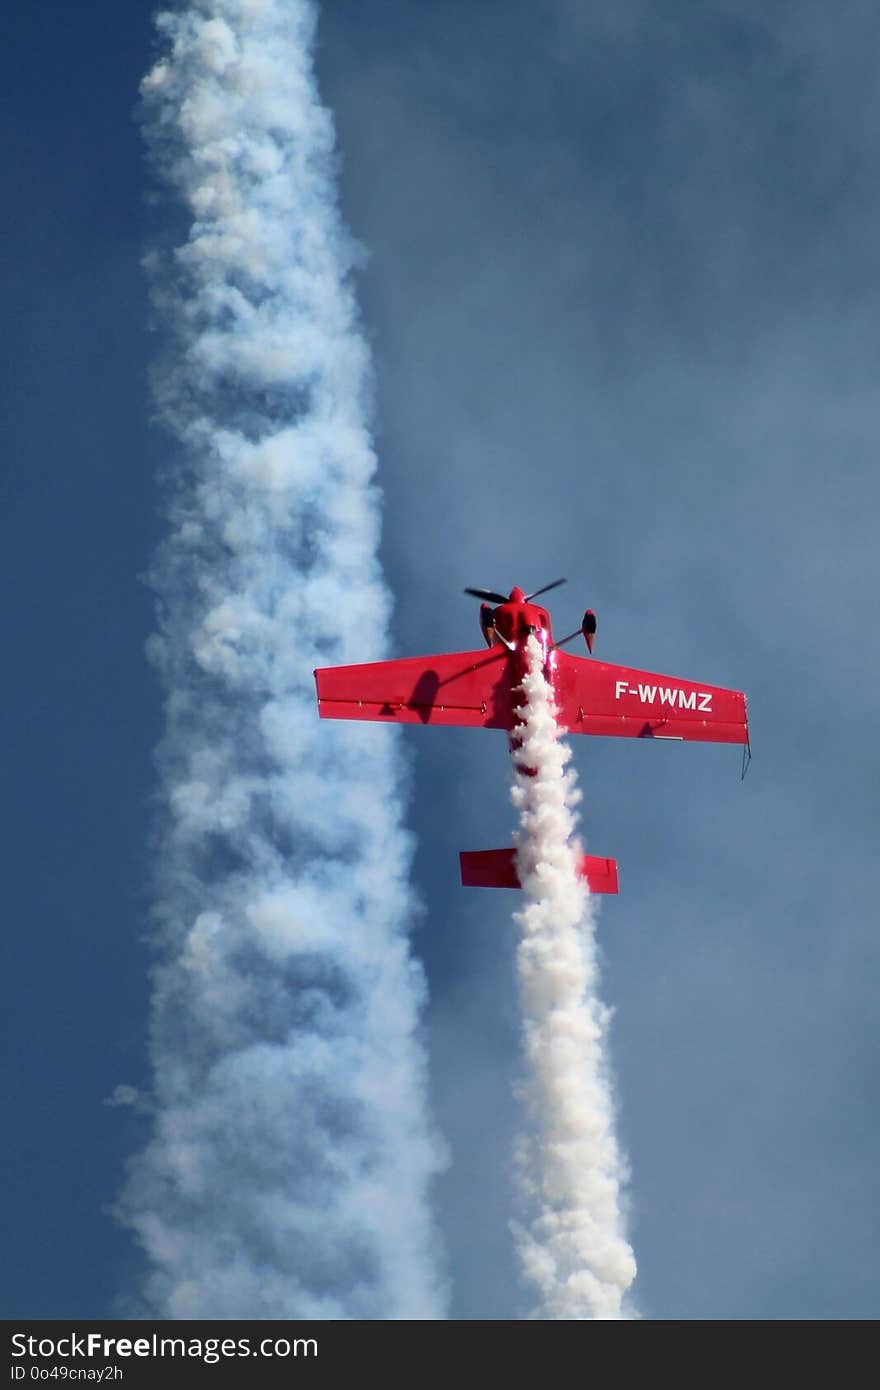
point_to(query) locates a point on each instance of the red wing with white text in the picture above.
(593, 697)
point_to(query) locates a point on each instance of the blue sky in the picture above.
(621, 285)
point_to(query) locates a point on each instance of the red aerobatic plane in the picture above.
(481, 689)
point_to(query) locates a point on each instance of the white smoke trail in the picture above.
(288, 1171)
(572, 1247)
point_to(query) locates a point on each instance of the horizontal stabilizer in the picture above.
(496, 868)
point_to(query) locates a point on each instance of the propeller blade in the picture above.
(546, 589)
(487, 594)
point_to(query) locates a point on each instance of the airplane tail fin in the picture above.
(496, 868)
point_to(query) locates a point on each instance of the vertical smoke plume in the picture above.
(290, 1159)
(572, 1246)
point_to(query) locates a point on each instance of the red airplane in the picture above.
(481, 689)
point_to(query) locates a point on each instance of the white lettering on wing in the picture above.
(674, 696)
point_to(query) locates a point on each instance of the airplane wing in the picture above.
(496, 868)
(593, 697)
(469, 688)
